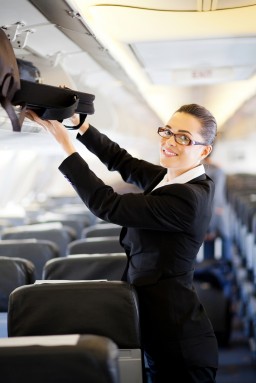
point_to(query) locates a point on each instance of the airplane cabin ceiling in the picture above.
(197, 62)
(165, 53)
(181, 51)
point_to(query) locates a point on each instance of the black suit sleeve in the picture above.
(132, 170)
(171, 207)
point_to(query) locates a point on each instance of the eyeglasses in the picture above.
(180, 138)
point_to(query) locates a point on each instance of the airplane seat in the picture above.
(55, 232)
(11, 220)
(246, 297)
(36, 251)
(244, 207)
(14, 272)
(253, 276)
(95, 245)
(247, 212)
(105, 308)
(74, 210)
(63, 358)
(4, 223)
(249, 324)
(86, 266)
(64, 202)
(214, 283)
(101, 230)
(77, 223)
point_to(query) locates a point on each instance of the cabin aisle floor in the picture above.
(236, 364)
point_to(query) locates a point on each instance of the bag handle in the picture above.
(16, 122)
(82, 118)
(61, 113)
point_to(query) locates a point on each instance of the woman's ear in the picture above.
(207, 150)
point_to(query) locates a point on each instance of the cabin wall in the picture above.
(236, 156)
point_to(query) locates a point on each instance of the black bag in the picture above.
(9, 79)
(28, 71)
(49, 102)
(54, 103)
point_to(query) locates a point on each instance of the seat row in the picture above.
(83, 343)
(42, 242)
(16, 272)
(242, 201)
(75, 218)
(95, 307)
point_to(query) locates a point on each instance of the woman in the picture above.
(163, 229)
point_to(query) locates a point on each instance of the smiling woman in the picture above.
(142, 60)
(164, 226)
(188, 123)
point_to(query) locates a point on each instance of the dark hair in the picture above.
(208, 122)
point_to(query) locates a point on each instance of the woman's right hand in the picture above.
(75, 119)
(56, 128)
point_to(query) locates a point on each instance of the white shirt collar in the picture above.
(183, 178)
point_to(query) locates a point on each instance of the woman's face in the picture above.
(179, 158)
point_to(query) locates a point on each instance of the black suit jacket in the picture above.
(163, 230)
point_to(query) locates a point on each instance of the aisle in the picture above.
(235, 361)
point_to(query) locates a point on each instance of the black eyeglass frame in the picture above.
(175, 135)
